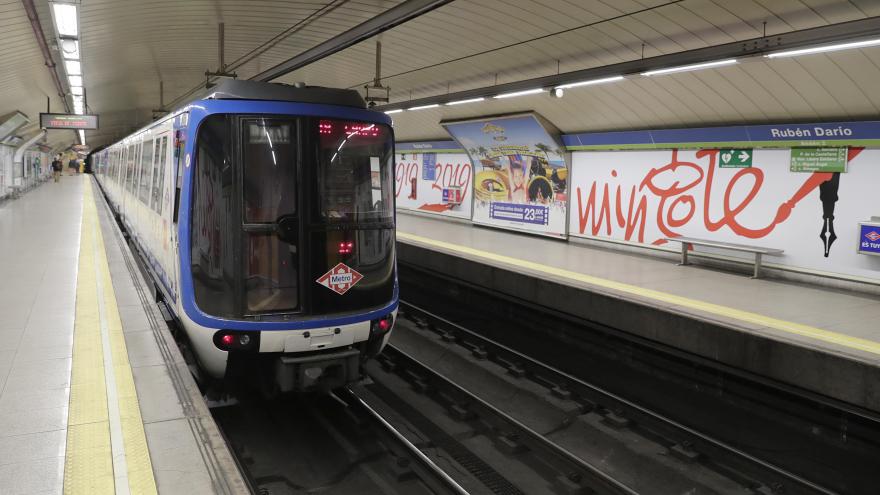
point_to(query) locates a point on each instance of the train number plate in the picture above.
(340, 278)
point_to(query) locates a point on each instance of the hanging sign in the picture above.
(68, 121)
(818, 159)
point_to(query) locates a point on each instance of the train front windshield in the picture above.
(279, 203)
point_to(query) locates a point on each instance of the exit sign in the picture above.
(68, 121)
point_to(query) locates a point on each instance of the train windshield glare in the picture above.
(285, 185)
(354, 172)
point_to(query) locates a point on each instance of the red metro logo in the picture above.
(340, 278)
(873, 236)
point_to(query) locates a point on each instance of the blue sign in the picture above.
(742, 136)
(447, 146)
(869, 238)
(429, 166)
(515, 212)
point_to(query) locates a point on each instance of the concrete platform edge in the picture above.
(847, 378)
(195, 418)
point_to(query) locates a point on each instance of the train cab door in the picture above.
(271, 230)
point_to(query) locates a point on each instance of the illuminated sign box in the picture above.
(68, 121)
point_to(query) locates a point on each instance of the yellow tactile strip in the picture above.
(88, 466)
(672, 299)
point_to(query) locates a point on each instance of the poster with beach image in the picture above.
(520, 173)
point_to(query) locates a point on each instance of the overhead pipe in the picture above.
(833, 33)
(393, 17)
(34, 19)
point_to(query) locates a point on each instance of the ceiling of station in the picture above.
(128, 46)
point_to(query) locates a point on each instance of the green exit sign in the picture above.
(735, 158)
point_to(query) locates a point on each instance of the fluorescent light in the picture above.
(75, 80)
(823, 49)
(74, 68)
(76, 90)
(394, 111)
(462, 102)
(82, 136)
(590, 82)
(70, 49)
(521, 93)
(65, 18)
(686, 68)
(435, 105)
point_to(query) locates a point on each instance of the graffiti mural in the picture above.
(646, 196)
(438, 183)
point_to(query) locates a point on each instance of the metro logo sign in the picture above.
(873, 236)
(340, 278)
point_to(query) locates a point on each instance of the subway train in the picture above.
(265, 215)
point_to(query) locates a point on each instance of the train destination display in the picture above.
(68, 121)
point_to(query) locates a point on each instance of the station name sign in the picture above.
(68, 121)
(831, 134)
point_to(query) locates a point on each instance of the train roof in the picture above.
(251, 90)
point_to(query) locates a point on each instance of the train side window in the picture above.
(157, 159)
(146, 171)
(129, 168)
(162, 166)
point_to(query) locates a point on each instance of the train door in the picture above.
(271, 230)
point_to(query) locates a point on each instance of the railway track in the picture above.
(681, 441)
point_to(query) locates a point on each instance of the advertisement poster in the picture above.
(438, 183)
(644, 196)
(520, 175)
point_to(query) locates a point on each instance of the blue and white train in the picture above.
(265, 214)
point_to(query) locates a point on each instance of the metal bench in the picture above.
(757, 250)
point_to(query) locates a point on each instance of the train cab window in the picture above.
(269, 179)
(146, 171)
(269, 191)
(212, 254)
(355, 177)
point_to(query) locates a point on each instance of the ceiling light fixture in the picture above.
(520, 93)
(462, 102)
(65, 19)
(688, 68)
(74, 68)
(76, 90)
(422, 107)
(398, 110)
(70, 49)
(824, 49)
(75, 80)
(591, 82)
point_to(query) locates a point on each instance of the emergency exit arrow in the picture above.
(743, 156)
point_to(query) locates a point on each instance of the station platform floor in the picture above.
(823, 339)
(95, 397)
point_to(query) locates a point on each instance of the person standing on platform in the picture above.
(56, 167)
(73, 166)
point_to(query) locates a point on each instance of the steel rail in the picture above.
(534, 368)
(528, 436)
(427, 465)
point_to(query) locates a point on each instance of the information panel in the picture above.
(520, 174)
(68, 121)
(818, 159)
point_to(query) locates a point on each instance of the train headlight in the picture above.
(382, 325)
(230, 340)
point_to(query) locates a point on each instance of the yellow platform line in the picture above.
(89, 466)
(707, 307)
